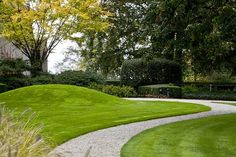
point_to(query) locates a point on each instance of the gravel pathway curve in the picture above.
(108, 142)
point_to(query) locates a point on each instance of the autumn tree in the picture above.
(35, 27)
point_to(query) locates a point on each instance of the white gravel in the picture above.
(108, 142)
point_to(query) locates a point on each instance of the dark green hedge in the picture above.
(120, 91)
(3, 88)
(113, 82)
(210, 95)
(138, 72)
(160, 90)
(14, 82)
(79, 78)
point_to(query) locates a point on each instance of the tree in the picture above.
(106, 51)
(199, 32)
(35, 27)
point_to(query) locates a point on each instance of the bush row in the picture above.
(139, 72)
(210, 95)
(120, 91)
(3, 87)
(160, 90)
(79, 78)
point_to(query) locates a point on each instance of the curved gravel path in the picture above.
(108, 142)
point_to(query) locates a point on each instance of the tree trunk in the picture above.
(36, 64)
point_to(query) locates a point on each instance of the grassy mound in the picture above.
(207, 137)
(69, 111)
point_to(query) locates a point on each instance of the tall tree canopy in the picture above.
(37, 26)
(198, 34)
(105, 51)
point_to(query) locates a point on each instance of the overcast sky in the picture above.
(58, 56)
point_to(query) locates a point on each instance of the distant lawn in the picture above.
(227, 103)
(206, 137)
(69, 111)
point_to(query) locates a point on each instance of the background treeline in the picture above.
(199, 35)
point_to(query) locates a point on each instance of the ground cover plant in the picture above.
(68, 111)
(206, 137)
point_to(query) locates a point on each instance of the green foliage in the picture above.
(193, 88)
(35, 27)
(69, 111)
(14, 82)
(79, 78)
(138, 72)
(160, 90)
(3, 87)
(196, 33)
(113, 82)
(13, 67)
(105, 51)
(41, 79)
(220, 77)
(216, 95)
(120, 91)
(20, 137)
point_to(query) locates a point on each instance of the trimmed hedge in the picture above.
(210, 95)
(120, 91)
(79, 78)
(3, 88)
(139, 72)
(160, 90)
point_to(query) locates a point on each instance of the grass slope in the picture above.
(69, 111)
(206, 137)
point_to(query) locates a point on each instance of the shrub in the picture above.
(19, 138)
(3, 88)
(138, 72)
(193, 88)
(38, 80)
(120, 91)
(210, 95)
(79, 78)
(14, 82)
(13, 67)
(113, 82)
(160, 90)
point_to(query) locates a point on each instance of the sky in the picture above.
(57, 55)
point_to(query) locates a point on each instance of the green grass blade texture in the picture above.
(206, 137)
(69, 111)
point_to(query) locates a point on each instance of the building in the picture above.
(9, 51)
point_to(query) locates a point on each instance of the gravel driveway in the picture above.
(108, 142)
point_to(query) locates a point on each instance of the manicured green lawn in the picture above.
(70, 111)
(206, 137)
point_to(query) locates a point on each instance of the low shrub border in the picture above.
(210, 95)
(160, 90)
(120, 91)
(3, 87)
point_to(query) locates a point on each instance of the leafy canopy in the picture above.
(37, 26)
